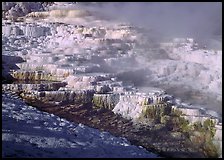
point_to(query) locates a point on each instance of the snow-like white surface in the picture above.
(27, 132)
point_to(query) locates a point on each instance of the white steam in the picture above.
(199, 20)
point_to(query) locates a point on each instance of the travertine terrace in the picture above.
(73, 56)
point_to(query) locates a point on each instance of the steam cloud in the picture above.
(200, 20)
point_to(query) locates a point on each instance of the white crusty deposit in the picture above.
(59, 50)
(88, 52)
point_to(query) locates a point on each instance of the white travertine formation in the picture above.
(131, 105)
(105, 63)
(31, 87)
(28, 30)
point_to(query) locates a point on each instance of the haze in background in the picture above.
(200, 20)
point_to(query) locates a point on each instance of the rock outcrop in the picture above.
(13, 10)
